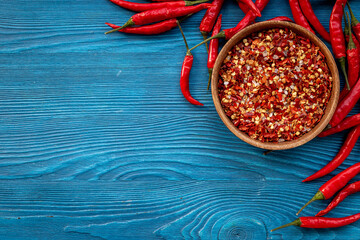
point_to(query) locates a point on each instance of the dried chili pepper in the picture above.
(344, 152)
(348, 190)
(248, 19)
(313, 20)
(337, 36)
(152, 29)
(346, 105)
(281, 18)
(298, 15)
(161, 14)
(328, 189)
(141, 7)
(209, 19)
(185, 72)
(213, 48)
(245, 5)
(355, 24)
(353, 59)
(321, 222)
(345, 124)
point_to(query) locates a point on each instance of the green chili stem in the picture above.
(318, 196)
(342, 62)
(209, 81)
(182, 33)
(127, 24)
(219, 35)
(191, 3)
(204, 34)
(354, 21)
(297, 222)
(351, 44)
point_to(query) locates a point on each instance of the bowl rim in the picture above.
(331, 105)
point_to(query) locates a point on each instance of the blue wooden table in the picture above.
(97, 141)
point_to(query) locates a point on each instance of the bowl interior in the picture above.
(330, 108)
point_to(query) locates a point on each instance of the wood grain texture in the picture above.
(94, 132)
(160, 210)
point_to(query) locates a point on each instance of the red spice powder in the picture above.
(274, 85)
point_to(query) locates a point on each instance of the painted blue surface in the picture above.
(97, 141)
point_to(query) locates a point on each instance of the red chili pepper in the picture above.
(298, 15)
(184, 79)
(353, 58)
(348, 190)
(209, 19)
(313, 20)
(337, 36)
(152, 29)
(248, 19)
(354, 23)
(161, 14)
(328, 189)
(346, 105)
(321, 222)
(344, 152)
(141, 7)
(185, 72)
(281, 18)
(228, 33)
(345, 124)
(245, 5)
(213, 48)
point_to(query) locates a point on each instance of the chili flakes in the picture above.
(274, 85)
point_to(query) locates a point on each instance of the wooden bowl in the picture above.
(330, 108)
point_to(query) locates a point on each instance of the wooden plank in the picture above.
(104, 115)
(161, 210)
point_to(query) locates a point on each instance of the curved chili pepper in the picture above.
(321, 222)
(281, 18)
(213, 49)
(152, 29)
(141, 7)
(344, 152)
(353, 58)
(161, 14)
(209, 19)
(346, 105)
(184, 79)
(355, 24)
(248, 19)
(228, 33)
(309, 13)
(245, 5)
(185, 72)
(337, 36)
(348, 190)
(328, 189)
(298, 15)
(345, 124)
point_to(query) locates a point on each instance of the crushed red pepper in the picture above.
(274, 85)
